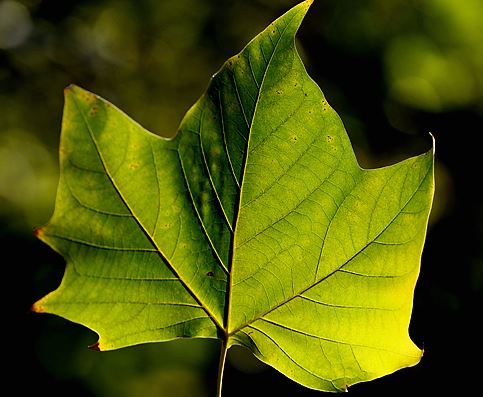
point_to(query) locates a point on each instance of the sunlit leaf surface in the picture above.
(255, 224)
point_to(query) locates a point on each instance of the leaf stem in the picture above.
(221, 366)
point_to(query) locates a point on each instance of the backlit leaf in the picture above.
(254, 224)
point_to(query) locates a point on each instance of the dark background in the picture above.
(394, 70)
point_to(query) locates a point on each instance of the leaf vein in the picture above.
(290, 357)
(210, 177)
(314, 284)
(100, 246)
(225, 144)
(138, 221)
(202, 224)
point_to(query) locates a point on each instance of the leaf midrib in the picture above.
(242, 176)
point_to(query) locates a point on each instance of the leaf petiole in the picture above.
(221, 366)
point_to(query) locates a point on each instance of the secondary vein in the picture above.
(340, 268)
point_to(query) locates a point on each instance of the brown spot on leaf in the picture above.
(330, 139)
(39, 232)
(95, 347)
(37, 308)
(93, 112)
(134, 165)
(210, 274)
(88, 96)
(68, 88)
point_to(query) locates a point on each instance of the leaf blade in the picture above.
(283, 251)
(343, 308)
(122, 149)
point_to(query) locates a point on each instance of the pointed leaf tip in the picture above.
(433, 142)
(69, 88)
(80, 93)
(37, 308)
(95, 347)
(39, 232)
(305, 4)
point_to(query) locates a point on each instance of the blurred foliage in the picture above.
(394, 70)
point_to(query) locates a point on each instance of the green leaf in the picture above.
(255, 225)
